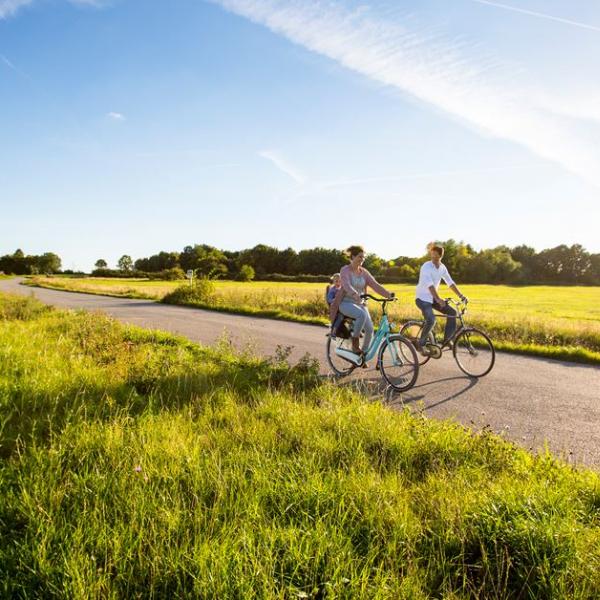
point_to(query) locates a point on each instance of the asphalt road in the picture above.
(533, 402)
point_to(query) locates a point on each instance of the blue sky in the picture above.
(134, 126)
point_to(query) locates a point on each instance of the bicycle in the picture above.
(472, 348)
(397, 358)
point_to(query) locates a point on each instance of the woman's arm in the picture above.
(372, 283)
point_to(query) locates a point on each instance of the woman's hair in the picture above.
(437, 247)
(334, 277)
(353, 251)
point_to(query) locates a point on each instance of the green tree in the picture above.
(246, 273)
(125, 263)
(48, 263)
(101, 264)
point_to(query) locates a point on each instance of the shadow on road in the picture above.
(376, 389)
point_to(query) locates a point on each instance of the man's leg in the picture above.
(450, 321)
(427, 310)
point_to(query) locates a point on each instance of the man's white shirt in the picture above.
(431, 276)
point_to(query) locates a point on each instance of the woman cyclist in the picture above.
(355, 281)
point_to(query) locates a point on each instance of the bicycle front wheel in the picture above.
(398, 362)
(474, 352)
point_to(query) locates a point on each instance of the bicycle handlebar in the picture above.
(456, 302)
(369, 297)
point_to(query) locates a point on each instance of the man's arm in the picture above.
(455, 289)
(436, 297)
(452, 285)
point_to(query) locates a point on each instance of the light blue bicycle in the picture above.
(397, 359)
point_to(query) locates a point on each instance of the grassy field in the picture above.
(137, 464)
(552, 321)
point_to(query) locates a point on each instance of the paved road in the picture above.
(531, 401)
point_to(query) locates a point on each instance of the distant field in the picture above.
(135, 464)
(563, 322)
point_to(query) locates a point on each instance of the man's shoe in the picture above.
(423, 351)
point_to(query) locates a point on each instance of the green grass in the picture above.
(550, 321)
(137, 464)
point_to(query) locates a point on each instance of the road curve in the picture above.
(533, 402)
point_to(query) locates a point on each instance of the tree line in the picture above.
(518, 265)
(19, 263)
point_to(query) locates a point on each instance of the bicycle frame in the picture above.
(381, 334)
(462, 309)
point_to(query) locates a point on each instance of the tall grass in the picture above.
(136, 464)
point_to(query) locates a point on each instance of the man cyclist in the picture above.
(431, 274)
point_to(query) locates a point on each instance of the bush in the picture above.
(246, 273)
(295, 278)
(202, 292)
(119, 274)
(174, 274)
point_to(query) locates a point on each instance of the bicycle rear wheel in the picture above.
(398, 362)
(412, 331)
(338, 365)
(474, 352)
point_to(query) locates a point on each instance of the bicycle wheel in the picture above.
(412, 331)
(398, 362)
(474, 352)
(338, 365)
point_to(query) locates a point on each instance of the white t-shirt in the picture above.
(431, 275)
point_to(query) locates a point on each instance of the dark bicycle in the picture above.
(472, 348)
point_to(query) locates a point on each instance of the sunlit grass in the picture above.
(136, 464)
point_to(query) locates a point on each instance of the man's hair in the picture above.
(437, 247)
(353, 251)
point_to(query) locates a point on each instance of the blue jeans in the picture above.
(429, 316)
(362, 321)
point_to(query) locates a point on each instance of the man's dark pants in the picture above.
(429, 316)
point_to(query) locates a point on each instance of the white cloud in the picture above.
(7, 62)
(394, 52)
(116, 116)
(283, 165)
(10, 7)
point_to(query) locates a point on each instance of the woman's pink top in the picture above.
(347, 276)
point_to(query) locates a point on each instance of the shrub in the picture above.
(246, 273)
(202, 292)
(174, 274)
(117, 273)
(292, 278)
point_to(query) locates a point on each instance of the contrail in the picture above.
(533, 13)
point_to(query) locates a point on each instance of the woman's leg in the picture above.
(356, 312)
(368, 329)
